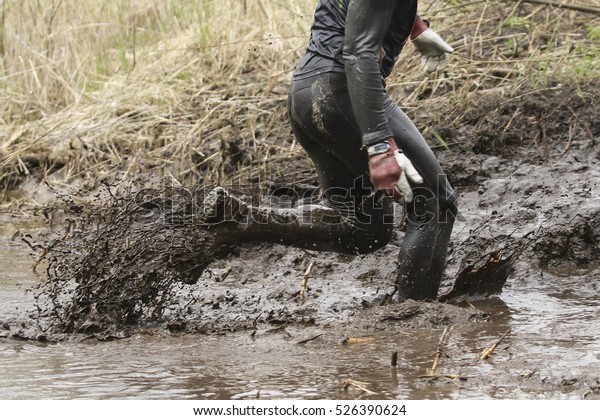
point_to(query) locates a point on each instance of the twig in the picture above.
(569, 140)
(305, 280)
(358, 340)
(222, 277)
(309, 339)
(133, 42)
(542, 136)
(487, 352)
(529, 374)
(578, 7)
(440, 349)
(430, 13)
(583, 125)
(361, 386)
(448, 376)
(2, 48)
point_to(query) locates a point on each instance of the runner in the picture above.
(358, 138)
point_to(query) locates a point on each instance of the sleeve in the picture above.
(367, 22)
(400, 29)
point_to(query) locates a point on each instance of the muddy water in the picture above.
(552, 351)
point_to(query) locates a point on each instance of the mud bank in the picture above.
(530, 186)
(527, 176)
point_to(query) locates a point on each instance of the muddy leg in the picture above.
(431, 215)
(422, 258)
(353, 230)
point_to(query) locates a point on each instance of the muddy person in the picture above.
(366, 150)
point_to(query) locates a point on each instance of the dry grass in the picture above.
(196, 89)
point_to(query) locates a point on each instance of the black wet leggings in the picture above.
(323, 122)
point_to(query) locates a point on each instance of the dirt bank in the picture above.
(526, 171)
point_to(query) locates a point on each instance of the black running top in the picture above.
(362, 38)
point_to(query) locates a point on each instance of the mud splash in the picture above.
(120, 258)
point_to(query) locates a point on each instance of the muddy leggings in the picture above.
(354, 219)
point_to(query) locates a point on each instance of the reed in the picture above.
(196, 89)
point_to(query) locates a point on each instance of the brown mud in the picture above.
(526, 169)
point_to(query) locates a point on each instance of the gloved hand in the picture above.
(408, 172)
(431, 46)
(389, 169)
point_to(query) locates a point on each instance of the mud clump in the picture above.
(577, 241)
(425, 315)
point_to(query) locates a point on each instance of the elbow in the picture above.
(353, 54)
(364, 47)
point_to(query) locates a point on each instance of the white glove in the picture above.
(408, 172)
(433, 49)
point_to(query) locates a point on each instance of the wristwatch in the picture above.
(378, 148)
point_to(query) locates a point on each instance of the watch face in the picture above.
(379, 148)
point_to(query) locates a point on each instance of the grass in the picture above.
(115, 89)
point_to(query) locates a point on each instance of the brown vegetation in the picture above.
(195, 90)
